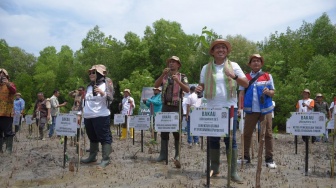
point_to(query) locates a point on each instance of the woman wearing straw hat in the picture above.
(97, 116)
(218, 81)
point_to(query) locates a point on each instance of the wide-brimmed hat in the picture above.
(127, 90)
(18, 94)
(173, 58)
(220, 41)
(306, 90)
(256, 56)
(319, 95)
(4, 71)
(157, 88)
(99, 68)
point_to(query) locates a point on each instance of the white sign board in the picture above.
(331, 124)
(288, 126)
(139, 122)
(118, 119)
(66, 125)
(209, 122)
(307, 123)
(167, 122)
(16, 119)
(29, 120)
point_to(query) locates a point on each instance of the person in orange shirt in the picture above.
(306, 104)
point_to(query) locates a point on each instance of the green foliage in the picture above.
(135, 83)
(297, 59)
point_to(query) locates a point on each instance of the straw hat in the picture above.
(127, 90)
(99, 68)
(257, 56)
(4, 71)
(18, 94)
(220, 41)
(173, 58)
(319, 95)
(306, 90)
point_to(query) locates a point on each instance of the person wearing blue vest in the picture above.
(258, 106)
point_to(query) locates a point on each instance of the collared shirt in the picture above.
(54, 106)
(19, 105)
(255, 100)
(126, 106)
(221, 100)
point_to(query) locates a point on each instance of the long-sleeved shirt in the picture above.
(156, 101)
(19, 105)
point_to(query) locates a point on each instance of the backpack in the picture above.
(109, 91)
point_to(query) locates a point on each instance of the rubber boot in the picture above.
(16, 127)
(214, 162)
(9, 144)
(163, 151)
(41, 133)
(30, 128)
(123, 133)
(1, 145)
(106, 151)
(132, 132)
(155, 136)
(177, 152)
(234, 175)
(93, 153)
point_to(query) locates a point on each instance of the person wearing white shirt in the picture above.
(191, 102)
(97, 117)
(127, 105)
(219, 81)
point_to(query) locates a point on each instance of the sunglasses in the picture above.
(92, 72)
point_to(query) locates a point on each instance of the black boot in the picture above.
(9, 144)
(214, 162)
(1, 145)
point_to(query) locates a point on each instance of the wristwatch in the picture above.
(236, 77)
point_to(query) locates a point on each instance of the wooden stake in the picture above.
(260, 153)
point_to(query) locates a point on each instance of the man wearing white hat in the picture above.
(19, 106)
(306, 104)
(127, 106)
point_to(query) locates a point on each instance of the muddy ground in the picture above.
(40, 164)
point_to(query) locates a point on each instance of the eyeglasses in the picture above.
(92, 72)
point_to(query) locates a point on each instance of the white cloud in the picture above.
(34, 24)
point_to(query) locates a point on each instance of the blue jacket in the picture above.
(156, 101)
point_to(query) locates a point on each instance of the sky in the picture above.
(35, 24)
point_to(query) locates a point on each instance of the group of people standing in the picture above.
(219, 81)
(307, 104)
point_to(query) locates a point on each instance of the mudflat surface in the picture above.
(40, 164)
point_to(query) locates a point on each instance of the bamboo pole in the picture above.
(260, 152)
(333, 147)
(230, 146)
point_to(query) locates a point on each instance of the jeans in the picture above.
(52, 127)
(190, 138)
(214, 141)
